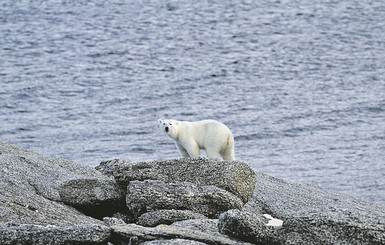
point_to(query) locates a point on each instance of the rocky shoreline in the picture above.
(47, 200)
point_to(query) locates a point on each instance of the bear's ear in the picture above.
(177, 122)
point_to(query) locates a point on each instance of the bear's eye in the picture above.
(170, 124)
(164, 124)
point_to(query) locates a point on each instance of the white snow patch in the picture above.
(276, 223)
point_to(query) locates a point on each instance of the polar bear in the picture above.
(212, 136)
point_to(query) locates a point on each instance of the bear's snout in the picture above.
(166, 129)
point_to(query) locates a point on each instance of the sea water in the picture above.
(300, 83)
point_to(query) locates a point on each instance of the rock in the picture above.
(204, 225)
(51, 234)
(150, 195)
(29, 214)
(94, 197)
(33, 188)
(109, 167)
(246, 227)
(167, 217)
(209, 226)
(236, 177)
(213, 226)
(121, 234)
(43, 174)
(126, 216)
(173, 242)
(313, 215)
(110, 221)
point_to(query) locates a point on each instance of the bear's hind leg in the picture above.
(213, 153)
(227, 152)
(228, 155)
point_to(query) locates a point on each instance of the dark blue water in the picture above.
(300, 83)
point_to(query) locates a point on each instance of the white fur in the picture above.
(212, 136)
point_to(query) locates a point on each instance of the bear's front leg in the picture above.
(192, 148)
(182, 150)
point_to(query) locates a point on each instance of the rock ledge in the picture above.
(182, 201)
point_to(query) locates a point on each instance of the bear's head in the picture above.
(169, 127)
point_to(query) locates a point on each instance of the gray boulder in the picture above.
(174, 242)
(44, 174)
(29, 214)
(313, 215)
(150, 195)
(204, 225)
(233, 176)
(209, 226)
(167, 216)
(110, 221)
(94, 197)
(51, 234)
(246, 227)
(122, 234)
(109, 167)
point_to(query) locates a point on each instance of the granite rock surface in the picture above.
(47, 200)
(31, 211)
(233, 176)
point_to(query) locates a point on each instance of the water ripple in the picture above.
(301, 84)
